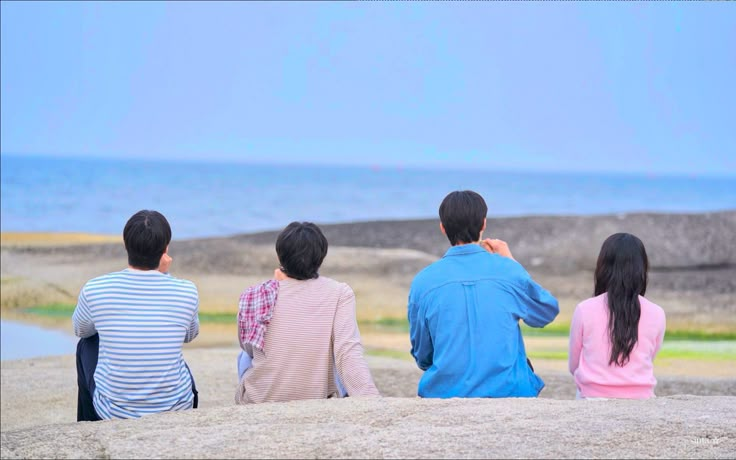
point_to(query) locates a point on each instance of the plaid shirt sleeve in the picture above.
(255, 311)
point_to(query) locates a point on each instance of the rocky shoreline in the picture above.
(553, 244)
(693, 260)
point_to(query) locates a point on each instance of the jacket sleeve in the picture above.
(349, 361)
(539, 307)
(576, 341)
(421, 342)
(84, 326)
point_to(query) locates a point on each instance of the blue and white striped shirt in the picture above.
(143, 318)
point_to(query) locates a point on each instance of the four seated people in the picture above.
(299, 334)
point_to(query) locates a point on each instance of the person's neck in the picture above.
(465, 244)
(139, 269)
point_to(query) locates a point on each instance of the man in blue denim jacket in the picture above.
(464, 312)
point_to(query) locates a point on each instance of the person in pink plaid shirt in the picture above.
(298, 332)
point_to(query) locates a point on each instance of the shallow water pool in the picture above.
(21, 340)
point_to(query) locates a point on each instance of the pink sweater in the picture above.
(312, 335)
(590, 351)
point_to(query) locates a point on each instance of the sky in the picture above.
(643, 87)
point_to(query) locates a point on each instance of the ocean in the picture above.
(200, 199)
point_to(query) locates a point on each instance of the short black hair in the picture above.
(301, 248)
(146, 235)
(462, 214)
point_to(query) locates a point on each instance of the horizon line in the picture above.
(378, 167)
(21, 233)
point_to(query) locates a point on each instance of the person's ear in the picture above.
(442, 229)
(166, 251)
(483, 229)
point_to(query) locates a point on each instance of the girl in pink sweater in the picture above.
(615, 335)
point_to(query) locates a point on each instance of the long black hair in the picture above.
(621, 272)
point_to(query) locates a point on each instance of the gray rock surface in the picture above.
(555, 243)
(670, 427)
(560, 243)
(39, 403)
(687, 252)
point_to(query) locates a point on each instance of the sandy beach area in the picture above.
(693, 277)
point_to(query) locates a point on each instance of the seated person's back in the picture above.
(471, 312)
(312, 333)
(143, 319)
(615, 335)
(464, 312)
(133, 324)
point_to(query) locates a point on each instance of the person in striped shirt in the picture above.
(133, 324)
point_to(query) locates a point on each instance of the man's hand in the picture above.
(497, 247)
(165, 263)
(278, 275)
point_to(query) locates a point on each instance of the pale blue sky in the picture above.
(641, 87)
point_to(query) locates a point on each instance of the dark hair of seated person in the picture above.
(301, 247)
(462, 214)
(146, 236)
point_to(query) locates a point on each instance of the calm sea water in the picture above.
(20, 341)
(214, 199)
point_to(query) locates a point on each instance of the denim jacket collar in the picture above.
(463, 249)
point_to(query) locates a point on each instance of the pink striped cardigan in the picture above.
(312, 321)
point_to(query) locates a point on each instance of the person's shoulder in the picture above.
(504, 271)
(182, 283)
(326, 281)
(437, 271)
(592, 304)
(651, 307)
(329, 283)
(270, 285)
(431, 271)
(506, 266)
(105, 280)
(184, 290)
(430, 278)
